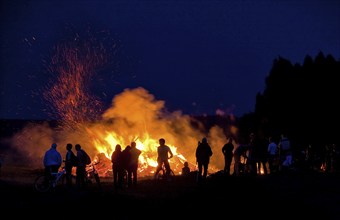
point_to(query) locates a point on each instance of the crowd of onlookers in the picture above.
(259, 156)
(265, 156)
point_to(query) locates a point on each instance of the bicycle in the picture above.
(92, 173)
(162, 175)
(44, 183)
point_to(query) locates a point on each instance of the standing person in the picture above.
(164, 154)
(227, 151)
(284, 148)
(272, 155)
(126, 158)
(133, 166)
(70, 161)
(240, 154)
(52, 160)
(262, 156)
(203, 154)
(253, 154)
(81, 167)
(117, 166)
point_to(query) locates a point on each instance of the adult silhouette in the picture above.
(203, 154)
(117, 166)
(227, 151)
(133, 165)
(52, 160)
(164, 154)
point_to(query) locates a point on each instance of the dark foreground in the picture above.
(291, 195)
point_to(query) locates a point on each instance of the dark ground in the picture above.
(280, 196)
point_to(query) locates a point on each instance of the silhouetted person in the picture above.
(70, 161)
(164, 154)
(52, 160)
(288, 162)
(81, 167)
(272, 155)
(284, 147)
(203, 154)
(185, 169)
(262, 155)
(253, 154)
(240, 151)
(126, 158)
(117, 166)
(133, 166)
(228, 154)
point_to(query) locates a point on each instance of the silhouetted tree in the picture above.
(300, 101)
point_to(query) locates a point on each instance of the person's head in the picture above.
(127, 148)
(118, 147)
(186, 164)
(77, 146)
(161, 141)
(54, 146)
(133, 144)
(204, 140)
(68, 146)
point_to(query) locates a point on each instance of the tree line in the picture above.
(299, 100)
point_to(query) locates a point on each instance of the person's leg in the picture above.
(115, 177)
(236, 165)
(68, 175)
(134, 173)
(159, 167)
(167, 168)
(129, 177)
(199, 173)
(205, 170)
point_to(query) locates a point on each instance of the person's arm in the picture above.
(171, 154)
(60, 158)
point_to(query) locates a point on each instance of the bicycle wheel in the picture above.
(42, 184)
(161, 175)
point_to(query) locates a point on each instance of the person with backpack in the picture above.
(70, 162)
(83, 159)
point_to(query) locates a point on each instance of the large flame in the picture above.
(134, 115)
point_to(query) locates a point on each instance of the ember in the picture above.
(134, 115)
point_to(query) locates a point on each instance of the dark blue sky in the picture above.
(197, 56)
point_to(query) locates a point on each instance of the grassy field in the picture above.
(294, 194)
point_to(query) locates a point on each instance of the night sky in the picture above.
(200, 57)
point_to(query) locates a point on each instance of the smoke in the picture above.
(135, 115)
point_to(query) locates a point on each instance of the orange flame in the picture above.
(135, 114)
